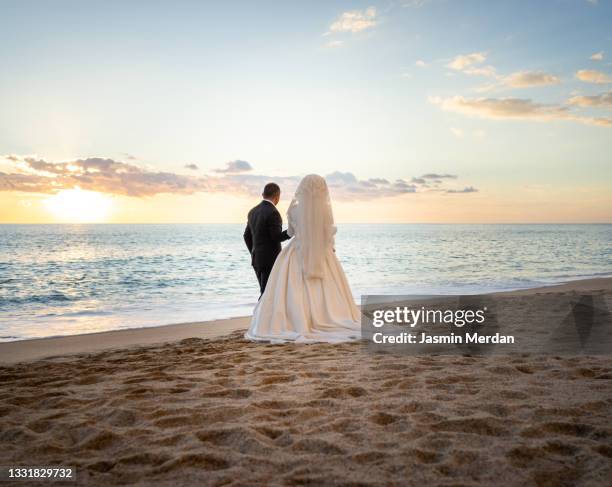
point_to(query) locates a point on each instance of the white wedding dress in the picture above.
(307, 297)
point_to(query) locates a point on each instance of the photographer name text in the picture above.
(411, 338)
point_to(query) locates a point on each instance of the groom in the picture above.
(264, 233)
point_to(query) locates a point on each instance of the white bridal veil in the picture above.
(311, 222)
(307, 298)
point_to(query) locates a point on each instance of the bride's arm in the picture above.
(291, 222)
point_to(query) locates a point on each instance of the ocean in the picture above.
(70, 279)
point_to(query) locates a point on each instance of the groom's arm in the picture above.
(248, 238)
(275, 228)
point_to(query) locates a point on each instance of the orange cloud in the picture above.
(355, 21)
(603, 100)
(527, 79)
(593, 76)
(116, 177)
(513, 108)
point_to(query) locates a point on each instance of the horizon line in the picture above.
(337, 223)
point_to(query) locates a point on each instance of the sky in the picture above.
(441, 111)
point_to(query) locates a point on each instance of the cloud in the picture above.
(120, 178)
(598, 56)
(521, 79)
(434, 182)
(526, 79)
(378, 180)
(402, 186)
(27, 183)
(346, 183)
(487, 71)
(236, 166)
(415, 3)
(513, 108)
(593, 76)
(341, 177)
(439, 176)
(336, 43)
(98, 174)
(420, 63)
(193, 167)
(354, 21)
(603, 100)
(471, 64)
(467, 189)
(349, 187)
(463, 61)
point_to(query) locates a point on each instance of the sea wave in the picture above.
(102, 277)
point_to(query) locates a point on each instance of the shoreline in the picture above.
(58, 346)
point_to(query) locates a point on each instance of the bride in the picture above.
(307, 297)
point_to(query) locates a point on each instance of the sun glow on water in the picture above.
(79, 206)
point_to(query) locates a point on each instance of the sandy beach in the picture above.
(196, 403)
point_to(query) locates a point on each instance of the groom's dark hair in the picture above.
(271, 190)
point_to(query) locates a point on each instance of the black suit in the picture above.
(263, 236)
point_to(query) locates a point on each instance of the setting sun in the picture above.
(77, 205)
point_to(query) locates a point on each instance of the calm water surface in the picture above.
(69, 279)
